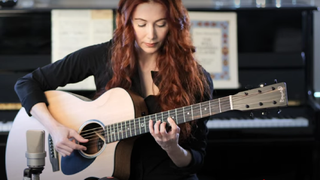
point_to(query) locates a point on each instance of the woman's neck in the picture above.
(147, 62)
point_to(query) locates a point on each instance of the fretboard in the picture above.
(138, 126)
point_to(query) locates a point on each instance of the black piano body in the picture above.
(273, 43)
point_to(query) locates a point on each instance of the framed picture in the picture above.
(215, 37)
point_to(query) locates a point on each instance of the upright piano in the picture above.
(274, 43)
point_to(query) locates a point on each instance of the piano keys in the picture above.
(5, 126)
(257, 123)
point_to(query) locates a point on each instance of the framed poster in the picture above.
(215, 37)
(76, 29)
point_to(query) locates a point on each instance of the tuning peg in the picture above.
(275, 81)
(263, 84)
(279, 111)
(264, 113)
(251, 114)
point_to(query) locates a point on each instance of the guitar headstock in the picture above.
(270, 96)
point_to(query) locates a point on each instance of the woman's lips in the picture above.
(150, 44)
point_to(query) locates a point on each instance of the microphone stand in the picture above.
(32, 173)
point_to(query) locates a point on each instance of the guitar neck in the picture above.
(265, 97)
(138, 126)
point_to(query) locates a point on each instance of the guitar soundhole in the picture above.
(95, 133)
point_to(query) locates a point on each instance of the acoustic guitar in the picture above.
(111, 123)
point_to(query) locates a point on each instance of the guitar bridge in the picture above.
(53, 155)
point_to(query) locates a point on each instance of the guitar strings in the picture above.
(180, 112)
(116, 137)
(222, 104)
(110, 138)
(133, 123)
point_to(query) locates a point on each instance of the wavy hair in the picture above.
(181, 81)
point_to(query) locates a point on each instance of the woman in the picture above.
(151, 53)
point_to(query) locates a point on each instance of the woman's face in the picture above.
(150, 26)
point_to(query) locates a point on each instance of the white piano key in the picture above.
(257, 123)
(6, 126)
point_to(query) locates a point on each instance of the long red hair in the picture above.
(180, 77)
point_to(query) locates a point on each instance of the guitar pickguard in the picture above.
(75, 163)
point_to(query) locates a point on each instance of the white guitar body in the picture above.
(112, 122)
(114, 106)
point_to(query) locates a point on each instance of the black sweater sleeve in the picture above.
(198, 142)
(71, 69)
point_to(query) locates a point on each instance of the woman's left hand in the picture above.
(168, 140)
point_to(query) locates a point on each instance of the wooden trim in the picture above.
(10, 106)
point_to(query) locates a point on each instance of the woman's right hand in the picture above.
(64, 140)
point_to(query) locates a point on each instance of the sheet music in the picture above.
(75, 29)
(215, 37)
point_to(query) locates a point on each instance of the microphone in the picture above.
(35, 153)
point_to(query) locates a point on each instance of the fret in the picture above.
(107, 134)
(131, 127)
(118, 130)
(210, 107)
(176, 115)
(114, 131)
(124, 132)
(145, 125)
(139, 124)
(121, 129)
(188, 113)
(177, 119)
(184, 114)
(134, 127)
(165, 116)
(148, 118)
(225, 104)
(110, 133)
(219, 105)
(200, 110)
(230, 102)
(116, 134)
(192, 112)
(126, 128)
(113, 138)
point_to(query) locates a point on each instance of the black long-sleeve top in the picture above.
(149, 160)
